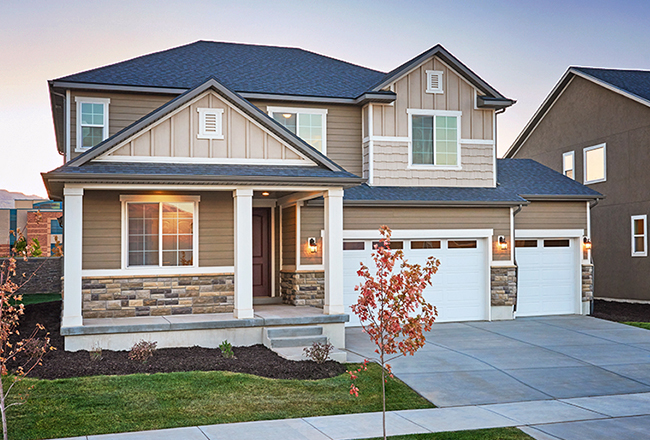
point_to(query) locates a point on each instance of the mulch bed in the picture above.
(621, 312)
(257, 359)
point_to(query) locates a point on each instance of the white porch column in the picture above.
(243, 253)
(72, 238)
(333, 254)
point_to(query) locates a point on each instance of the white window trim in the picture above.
(203, 112)
(584, 163)
(81, 100)
(573, 161)
(306, 111)
(434, 113)
(125, 199)
(437, 73)
(645, 235)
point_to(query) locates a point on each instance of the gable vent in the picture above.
(434, 81)
(210, 123)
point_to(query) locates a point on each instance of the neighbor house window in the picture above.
(568, 164)
(310, 125)
(160, 233)
(92, 121)
(595, 161)
(639, 236)
(434, 81)
(435, 138)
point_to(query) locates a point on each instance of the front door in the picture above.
(261, 251)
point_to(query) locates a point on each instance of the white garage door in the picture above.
(459, 288)
(547, 277)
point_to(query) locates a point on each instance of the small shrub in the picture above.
(96, 353)
(226, 349)
(142, 351)
(319, 352)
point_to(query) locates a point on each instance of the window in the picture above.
(310, 125)
(639, 236)
(557, 243)
(354, 246)
(92, 121)
(568, 164)
(435, 244)
(434, 81)
(435, 138)
(55, 227)
(210, 123)
(525, 243)
(160, 233)
(394, 245)
(595, 164)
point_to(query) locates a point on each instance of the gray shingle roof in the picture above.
(636, 82)
(240, 67)
(518, 180)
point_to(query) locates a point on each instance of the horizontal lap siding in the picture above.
(311, 224)
(216, 229)
(552, 215)
(289, 236)
(497, 219)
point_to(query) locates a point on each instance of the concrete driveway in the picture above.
(562, 358)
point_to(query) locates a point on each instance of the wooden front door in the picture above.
(261, 251)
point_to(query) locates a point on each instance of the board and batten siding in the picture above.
(312, 222)
(552, 215)
(498, 219)
(123, 110)
(343, 131)
(102, 228)
(289, 236)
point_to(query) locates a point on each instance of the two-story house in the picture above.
(594, 127)
(210, 188)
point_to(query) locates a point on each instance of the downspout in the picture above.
(592, 205)
(65, 104)
(514, 260)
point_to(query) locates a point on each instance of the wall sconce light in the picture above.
(265, 193)
(586, 242)
(312, 244)
(503, 244)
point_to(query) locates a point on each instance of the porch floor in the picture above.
(264, 315)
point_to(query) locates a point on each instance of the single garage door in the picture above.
(459, 288)
(547, 276)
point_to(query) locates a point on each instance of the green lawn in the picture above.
(108, 404)
(645, 325)
(479, 434)
(35, 298)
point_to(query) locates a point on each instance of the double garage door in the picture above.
(459, 289)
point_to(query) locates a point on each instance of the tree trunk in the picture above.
(383, 395)
(3, 410)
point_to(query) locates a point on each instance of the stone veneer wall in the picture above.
(587, 282)
(45, 275)
(117, 297)
(503, 286)
(303, 288)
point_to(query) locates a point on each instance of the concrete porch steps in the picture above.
(290, 342)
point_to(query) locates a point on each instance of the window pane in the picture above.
(143, 233)
(639, 244)
(286, 119)
(568, 162)
(556, 243)
(170, 258)
(185, 258)
(464, 244)
(425, 244)
(310, 129)
(353, 245)
(91, 136)
(638, 226)
(422, 136)
(525, 243)
(595, 164)
(177, 225)
(569, 174)
(393, 244)
(446, 140)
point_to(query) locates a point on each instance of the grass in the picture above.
(645, 325)
(479, 434)
(109, 404)
(36, 298)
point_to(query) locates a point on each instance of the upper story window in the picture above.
(434, 81)
(308, 124)
(435, 138)
(210, 123)
(639, 235)
(568, 164)
(92, 121)
(595, 164)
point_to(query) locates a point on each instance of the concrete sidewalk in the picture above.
(622, 417)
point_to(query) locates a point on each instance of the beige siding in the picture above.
(102, 229)
(289, 236)
(312, 222)
(343, 132)
(497, 219)
(177, 136)
(4, 227)
(458, 95)
(123, 110)
(552, 215)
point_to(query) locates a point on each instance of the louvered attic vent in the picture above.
(210, 123)
(434, 81)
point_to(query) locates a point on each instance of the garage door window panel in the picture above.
(526, 243)
(431, 244)
(354, 246)
(461, 244)
(557, 243)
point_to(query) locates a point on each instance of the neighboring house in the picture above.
(595, 128)
(223, 180)
(34, 218)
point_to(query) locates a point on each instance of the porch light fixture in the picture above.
(312, 244)
(503, 244)
(265, 193)
(586, 242)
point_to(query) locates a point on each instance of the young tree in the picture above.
(27, 352)
(391, 307)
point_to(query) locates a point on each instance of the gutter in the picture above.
(425, 203)
(562, 198)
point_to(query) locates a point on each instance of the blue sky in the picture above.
(521, 48)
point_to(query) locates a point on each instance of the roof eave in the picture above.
(493, 103)
(432, 203)
(561, 197)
